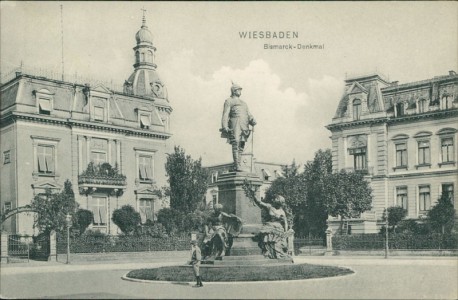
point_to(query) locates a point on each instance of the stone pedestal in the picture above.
(232, 196)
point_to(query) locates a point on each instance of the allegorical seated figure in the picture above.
(275, 233)
(219, 230)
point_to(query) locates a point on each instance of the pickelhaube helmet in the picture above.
(235, 87)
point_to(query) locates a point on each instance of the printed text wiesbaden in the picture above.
(269, 34)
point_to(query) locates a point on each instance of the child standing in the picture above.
(196, 257)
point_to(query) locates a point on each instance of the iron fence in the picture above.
(19, 246)
(310, 245)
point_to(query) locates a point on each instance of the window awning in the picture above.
(45, 104)
(144, 119)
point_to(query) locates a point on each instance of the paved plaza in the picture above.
(374, 278)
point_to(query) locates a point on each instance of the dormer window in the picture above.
(356, 109)
(145, 121)
(44, 106)
(99, 113)
(266, 174)
(144, 115)
(44, 100)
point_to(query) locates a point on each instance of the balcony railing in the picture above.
(102, 176)
(101, 180)
(366, 171)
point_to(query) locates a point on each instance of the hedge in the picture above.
(406, 241)
(96, 244)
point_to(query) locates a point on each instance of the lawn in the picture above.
(240, 273)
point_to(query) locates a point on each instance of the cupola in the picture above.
(145, 81)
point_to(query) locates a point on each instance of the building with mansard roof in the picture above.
(110, 144)
(403, 138)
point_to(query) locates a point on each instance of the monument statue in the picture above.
(275, 234)
(235, 124)
(219, 231)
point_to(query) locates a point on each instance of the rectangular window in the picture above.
(6, 157)
(424, 198)
(44, 106)
(99, 113)
(422, 106)
(98, 158)
(401, 155)
(7, 206)
(214, 177)
(359, 158)
(45, 159)
(401, 196)
(424, 153)
(447, 190)
(146, 210)
(447, 150)
(145, 121)
(98, 206)
(145, 170)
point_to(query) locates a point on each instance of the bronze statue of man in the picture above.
(235, 124)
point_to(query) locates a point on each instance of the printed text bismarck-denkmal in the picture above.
(309, 46)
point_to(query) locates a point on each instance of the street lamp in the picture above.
(68, 218)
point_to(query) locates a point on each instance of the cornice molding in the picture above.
(392, 120)
(5, 120)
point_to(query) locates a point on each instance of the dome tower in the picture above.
(145, 81)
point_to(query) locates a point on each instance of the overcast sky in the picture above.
(292, 94)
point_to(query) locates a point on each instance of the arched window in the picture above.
(137, 57)
(150, 56)
(143, 57)
(356, 109)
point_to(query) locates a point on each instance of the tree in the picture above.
(442, 215)
(347, 195)
(126, 218)
(395, 215)
(82, 219)
(171, 219)
(52, 209)
(187, 179)
(315, 174)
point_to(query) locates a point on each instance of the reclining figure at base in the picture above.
(220, 228)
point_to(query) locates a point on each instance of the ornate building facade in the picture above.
(110, 144)
(403, 138)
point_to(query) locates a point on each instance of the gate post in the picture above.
(328, 241)
(4, 248)
(52, 246)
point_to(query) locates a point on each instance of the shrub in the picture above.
(395, 215)
(82, 219)
(126, 218)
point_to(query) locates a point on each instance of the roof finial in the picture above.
(144, 18)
